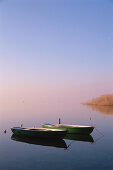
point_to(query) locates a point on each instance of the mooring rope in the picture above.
(97, 139)
(99, 131)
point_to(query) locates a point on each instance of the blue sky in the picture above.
(57, 40)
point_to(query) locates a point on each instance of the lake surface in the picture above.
(81, 153)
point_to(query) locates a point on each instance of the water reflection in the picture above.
(80, 137)
(102, 109)
(58, 143)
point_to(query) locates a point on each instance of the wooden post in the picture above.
(59, 120)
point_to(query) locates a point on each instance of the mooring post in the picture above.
(59, 120)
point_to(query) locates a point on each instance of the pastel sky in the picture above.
(56, 49)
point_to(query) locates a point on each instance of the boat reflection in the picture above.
(80, 137)
(102, 109)
(58, 143)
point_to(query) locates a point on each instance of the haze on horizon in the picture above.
(57, 51)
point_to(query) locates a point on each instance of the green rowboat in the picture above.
(39, 132)
(70, 128)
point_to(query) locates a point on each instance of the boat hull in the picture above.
(71, 129)
(39, 132)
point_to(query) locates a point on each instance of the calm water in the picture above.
(77, 154)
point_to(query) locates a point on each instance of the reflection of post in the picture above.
(59, 120)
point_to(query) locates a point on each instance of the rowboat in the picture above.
(58, 143)
(39, 132)
(79, 137)
(78, 129)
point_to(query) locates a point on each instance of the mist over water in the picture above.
(102, 109)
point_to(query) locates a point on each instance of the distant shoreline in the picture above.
(103, 100)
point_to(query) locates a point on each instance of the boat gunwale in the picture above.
(38, 129)
(67, 126)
